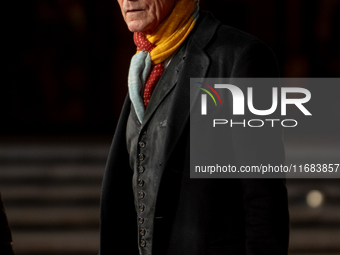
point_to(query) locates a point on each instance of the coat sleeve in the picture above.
(265, 200)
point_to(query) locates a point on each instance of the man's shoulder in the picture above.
(233, 52)
(227, 37)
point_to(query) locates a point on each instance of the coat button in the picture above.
(141, 208)
(144, 132)
(142, 243)
(141, 169)
(141, 157)
(142, 144)
(141, 194)
(142, 232)
(140, 183)
(141, 220)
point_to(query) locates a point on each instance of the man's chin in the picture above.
(136, 26)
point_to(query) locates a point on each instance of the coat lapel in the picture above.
(165, 85)
(195, 65)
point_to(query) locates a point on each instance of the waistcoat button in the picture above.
(143, 243)
(142, 144)
(142, 232)
(140, 220)
(140, 183)
(141, 208)
(141, 157)
(141, 194)
(141, 169)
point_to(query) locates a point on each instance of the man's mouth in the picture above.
(134, 10)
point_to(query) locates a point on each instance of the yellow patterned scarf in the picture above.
(147, 66)
(172, 31)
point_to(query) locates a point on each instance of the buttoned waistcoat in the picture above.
(202, 216)
(145, 142)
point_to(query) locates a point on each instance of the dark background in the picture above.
(64, 80)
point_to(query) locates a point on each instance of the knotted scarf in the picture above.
(147, 65)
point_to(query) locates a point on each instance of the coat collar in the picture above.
(195, 65)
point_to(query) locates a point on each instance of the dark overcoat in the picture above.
(5, 233)
(203, 216)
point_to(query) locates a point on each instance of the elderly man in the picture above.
(166, 212)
